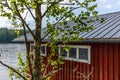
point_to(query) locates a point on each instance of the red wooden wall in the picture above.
(105, 59)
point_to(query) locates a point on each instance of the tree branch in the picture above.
(19, 15)
(52, 4)
(23, 21)
(3, 4)
(47, 10)
(85, 76)
(66, 3)
(50, 73)
(59, 21)
(28, 54)
(30, 11)
(50, 30)
(46, 69)
(58, 2)
(6, 4)
(13, 70)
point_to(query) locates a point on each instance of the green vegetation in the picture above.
(7, 35)
(19, 10)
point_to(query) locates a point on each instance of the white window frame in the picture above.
(41, 45)
(77, 56)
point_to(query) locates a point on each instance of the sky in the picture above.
(108, 6)
(104, 6)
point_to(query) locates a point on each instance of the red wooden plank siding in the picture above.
(96, 62)
(62, 72)
(69, 67)
(110, 61)
(72, 73)
(76, 65)
(84, 69)
(119, 60)
(105, 63)
(78, 75)
(65, 72)
(92, 60)
(81, 70)
(116, 62)
(105, 59)
(88, 71)
(101, 62)
(75, 74)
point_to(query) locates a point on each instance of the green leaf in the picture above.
(11, 73)
(102, 20)
(12, 1)
(34, 6)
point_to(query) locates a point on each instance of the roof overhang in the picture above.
(108, 40)
(103, 40)
(88, 40)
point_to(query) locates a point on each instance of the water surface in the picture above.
(8, 54)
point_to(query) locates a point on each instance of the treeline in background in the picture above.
(7, 35)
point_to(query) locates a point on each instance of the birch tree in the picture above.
(60, 11)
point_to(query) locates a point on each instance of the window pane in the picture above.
(32, 47)
(43, 49)
(63, 52)
(83, 53)
(72, 52)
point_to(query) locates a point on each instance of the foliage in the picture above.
(20, 67)
(7, 35)
(18, 10)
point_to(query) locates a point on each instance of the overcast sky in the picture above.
(104, 6)
(107, 6)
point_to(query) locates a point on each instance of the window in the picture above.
(43, 49)
(83, 53)
(76, 53)
(63, 52)
(32, 47)
(72, 53)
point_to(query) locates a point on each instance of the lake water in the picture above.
(8, 54)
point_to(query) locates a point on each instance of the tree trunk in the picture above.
(37, 42)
